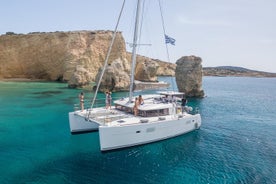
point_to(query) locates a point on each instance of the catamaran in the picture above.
(159, 117)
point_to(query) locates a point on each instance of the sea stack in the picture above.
(188, 74)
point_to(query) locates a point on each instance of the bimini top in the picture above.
(171, 93)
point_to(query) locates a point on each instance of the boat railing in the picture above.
(87, 104)
(105, 116)
(100, 102)
(196, 111)
(188, 109)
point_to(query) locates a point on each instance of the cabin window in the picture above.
(123, 108)
(154, 113)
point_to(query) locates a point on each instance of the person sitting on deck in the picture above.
(141, 100)
(165, 99)
(136, 105)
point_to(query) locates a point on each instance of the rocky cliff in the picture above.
(165, 68)
(75, 57)
(188, 75)
(57, 56)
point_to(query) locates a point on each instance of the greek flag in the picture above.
(169, 40)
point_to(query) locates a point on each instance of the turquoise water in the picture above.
(236, 143)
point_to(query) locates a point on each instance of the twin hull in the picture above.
(114, 137)
(79, 124)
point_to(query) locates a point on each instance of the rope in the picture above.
(106, 59)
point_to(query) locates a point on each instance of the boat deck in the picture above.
(155, 108)
(102, 116)
(115, 117)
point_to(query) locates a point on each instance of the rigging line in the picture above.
(107, 57)
(164, 31)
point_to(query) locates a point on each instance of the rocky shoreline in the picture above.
(77, 58)
(227, 71)
(23, 80)
(220, 71)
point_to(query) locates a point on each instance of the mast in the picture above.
(133, 57)
(106, 59)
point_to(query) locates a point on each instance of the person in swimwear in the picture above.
(141, 100)
(136, 105)
(108, 99)
(81, 97)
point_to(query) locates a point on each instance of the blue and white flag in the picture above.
(169, 40)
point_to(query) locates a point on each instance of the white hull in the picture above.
(79, 124)
(119, 128)
(114, 137)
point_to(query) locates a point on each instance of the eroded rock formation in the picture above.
(146, 70)
(188, 76)
(116, 76)
(165, 68)
(60, 56)
(74, 57)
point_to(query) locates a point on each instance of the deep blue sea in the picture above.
(236, 143)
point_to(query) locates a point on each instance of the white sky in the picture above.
(221, 32)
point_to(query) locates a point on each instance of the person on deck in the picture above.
(141, 100)
(108, 100)
(183, 104)
(165, 99)
(136, 105)
(81, 97)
